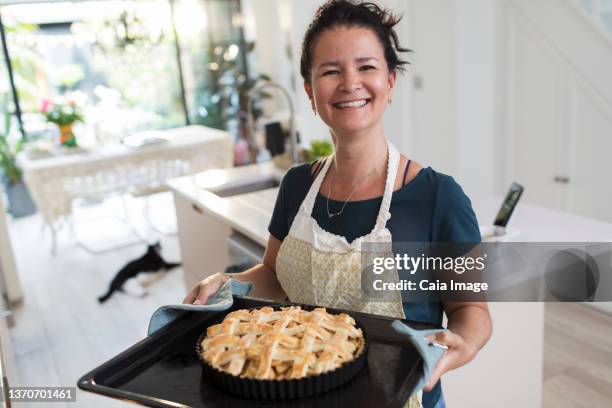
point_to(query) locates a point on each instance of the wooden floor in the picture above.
(62, 332)
(577, 357)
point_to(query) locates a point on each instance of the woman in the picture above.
(365, 192)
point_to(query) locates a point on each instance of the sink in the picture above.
(247, 186)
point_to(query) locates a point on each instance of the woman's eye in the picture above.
(330, 72)
(367, 67)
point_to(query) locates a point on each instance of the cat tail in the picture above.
(170, 265)
(105, 297)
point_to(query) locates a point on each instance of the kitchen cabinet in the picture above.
(203, 241)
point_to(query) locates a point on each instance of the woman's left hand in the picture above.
(459, 353)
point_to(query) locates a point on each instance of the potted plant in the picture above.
(64, 115)
(318, 149)
(19, 201)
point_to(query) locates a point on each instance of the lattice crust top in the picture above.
(287, 344)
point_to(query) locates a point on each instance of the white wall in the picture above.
(433, 110)
(454, 100)
(476, 102)
(398, 116)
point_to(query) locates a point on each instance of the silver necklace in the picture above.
(331, 182)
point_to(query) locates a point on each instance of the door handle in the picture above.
(561, 179)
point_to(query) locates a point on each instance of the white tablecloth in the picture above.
(55, 182)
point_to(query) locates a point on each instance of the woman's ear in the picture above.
(308, 89)
(309, 92)
(391, 79)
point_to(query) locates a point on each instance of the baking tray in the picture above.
(163, 370)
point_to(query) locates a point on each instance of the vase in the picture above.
(67, 137)
(19, 201)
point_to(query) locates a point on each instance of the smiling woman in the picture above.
(365, 192)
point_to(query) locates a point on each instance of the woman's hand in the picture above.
(205, 289)
(459, 353)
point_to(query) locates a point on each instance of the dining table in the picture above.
(139, 167)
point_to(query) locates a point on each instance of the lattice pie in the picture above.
(289, 343)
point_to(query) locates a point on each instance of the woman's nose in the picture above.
(350, 82)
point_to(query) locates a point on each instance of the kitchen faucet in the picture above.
(250, 122)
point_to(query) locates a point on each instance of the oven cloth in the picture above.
(222, 300)
(430, 354)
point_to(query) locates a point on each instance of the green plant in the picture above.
(8, 153)
(61, 113)
(319, 149)
(222, 91)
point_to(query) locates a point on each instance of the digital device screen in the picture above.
(512, 198)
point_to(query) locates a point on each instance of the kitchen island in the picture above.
(508, 369)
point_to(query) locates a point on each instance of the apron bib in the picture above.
(319, 268)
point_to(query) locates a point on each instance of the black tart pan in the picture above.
(290, 388)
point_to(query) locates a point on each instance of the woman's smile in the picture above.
(351, 105)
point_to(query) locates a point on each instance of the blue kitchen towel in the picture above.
(222, 300)
(429, 354)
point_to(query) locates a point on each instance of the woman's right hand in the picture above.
(206, 288)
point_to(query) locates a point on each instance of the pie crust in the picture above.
(290, 343)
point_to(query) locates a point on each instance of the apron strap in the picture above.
(392, 165)
(308, 203)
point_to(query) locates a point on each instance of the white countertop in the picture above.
(250, 213)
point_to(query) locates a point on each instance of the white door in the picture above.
(535, 107)
(558, 97)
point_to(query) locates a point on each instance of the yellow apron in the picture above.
(317, 267)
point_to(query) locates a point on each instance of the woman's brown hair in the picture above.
(347, 13)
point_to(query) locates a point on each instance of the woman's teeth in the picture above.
(351, 104)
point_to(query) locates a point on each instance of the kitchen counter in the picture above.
(248, 213)
(251, 212)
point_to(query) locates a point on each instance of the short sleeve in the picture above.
(291, 193)
(278, 226)
(454, 219)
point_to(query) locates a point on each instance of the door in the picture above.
(558, 118)
(535, 108)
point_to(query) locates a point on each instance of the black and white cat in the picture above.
(150, 262)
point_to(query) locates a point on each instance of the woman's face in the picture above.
(350, 82)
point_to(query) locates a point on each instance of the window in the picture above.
(119, 59)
